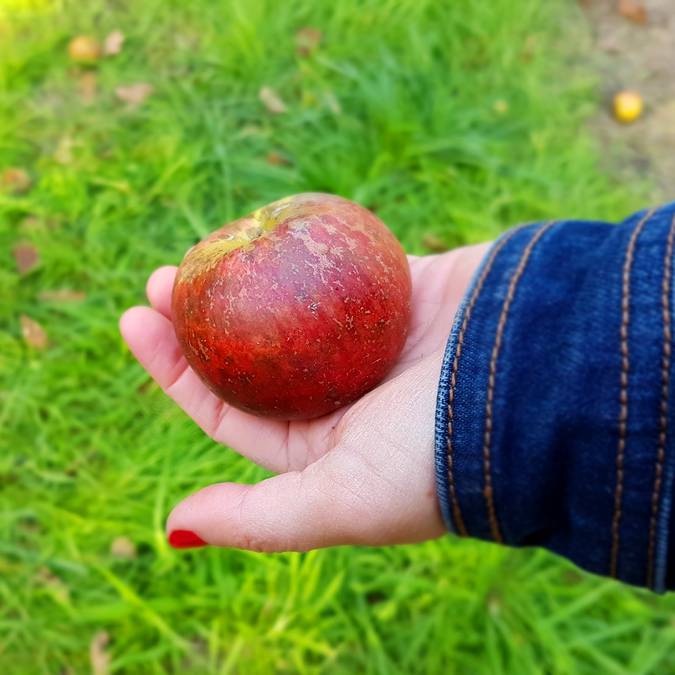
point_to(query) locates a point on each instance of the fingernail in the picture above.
(185, 539)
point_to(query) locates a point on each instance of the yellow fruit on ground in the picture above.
(84, 49)
(628, 106)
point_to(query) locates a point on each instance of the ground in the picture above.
(453, 121)
(637, 56)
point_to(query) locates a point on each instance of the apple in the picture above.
(295, 310)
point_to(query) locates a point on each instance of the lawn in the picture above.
(453, 120)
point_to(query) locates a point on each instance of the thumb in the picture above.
(295, 511)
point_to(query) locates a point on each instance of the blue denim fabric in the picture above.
(555, 398)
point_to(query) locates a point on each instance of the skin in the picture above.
(295, 310)
(361, 475)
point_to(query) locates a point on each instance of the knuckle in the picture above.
(252, 542)
(251, 533)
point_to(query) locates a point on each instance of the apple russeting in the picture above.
(295, 310)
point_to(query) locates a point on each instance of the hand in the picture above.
(362, 475)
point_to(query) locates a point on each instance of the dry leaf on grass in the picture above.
(307, 39)
(134, 94)
(87, 85)
(84, 49)
(62, 295)
(112, 45)
(434, 243)
(276, 159)
(99, 657)
(34, 334)
(272, 101)
(633, 10)
(15, 180)
(27, 258)
(123, 547)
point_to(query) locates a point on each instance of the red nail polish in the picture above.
(185, 539)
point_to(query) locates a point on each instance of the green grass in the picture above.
(455, 119)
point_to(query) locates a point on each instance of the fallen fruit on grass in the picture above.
(628, 106)
(296, 309)
(84, 49)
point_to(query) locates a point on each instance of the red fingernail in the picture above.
(185, 539)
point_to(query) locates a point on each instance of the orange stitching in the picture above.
(623, 393)
(456, 511)
(663, 419)
(487, 437)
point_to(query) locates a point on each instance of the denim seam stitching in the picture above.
(623, 391)
(488, 491)
(454, 500)
(663, 408)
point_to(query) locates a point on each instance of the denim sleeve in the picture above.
(553, 423)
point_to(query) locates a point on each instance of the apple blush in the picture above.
(295, 310)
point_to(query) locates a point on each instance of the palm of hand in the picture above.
(363, 474)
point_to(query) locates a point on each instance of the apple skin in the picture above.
(295, 310)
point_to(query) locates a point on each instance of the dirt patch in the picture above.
(632, 55)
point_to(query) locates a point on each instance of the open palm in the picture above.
(363, 474)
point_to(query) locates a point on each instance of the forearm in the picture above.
(554, 406)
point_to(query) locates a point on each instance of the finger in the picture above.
(152, 340)
(296, 511)
(160, 287)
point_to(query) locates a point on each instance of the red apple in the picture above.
(296, 309)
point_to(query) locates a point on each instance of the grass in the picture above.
(450, 119)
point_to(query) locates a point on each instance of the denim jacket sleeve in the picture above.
(555, 403)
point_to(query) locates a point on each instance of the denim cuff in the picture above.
(553, 420)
